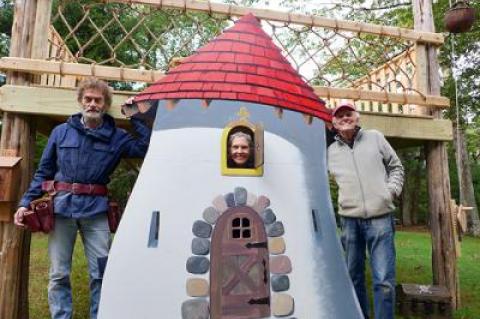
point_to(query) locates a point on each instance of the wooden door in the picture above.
(239, 276)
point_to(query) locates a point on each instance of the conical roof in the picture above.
(241, 64)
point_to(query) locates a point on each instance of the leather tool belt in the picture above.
(41, 217)
(52, 187)
(113, 212)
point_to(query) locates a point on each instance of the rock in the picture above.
(211, 215)
(200, 246)
(276, 245)
(230, 200)
(198, 265)
(202, 229)
(197, 287)
(195, 309)
(262, 203)
(240, 195)
(282, 305)
(251, 199)
(280, 265)
(280, 282)
(220, 204)
(268, 216)
(275, 230)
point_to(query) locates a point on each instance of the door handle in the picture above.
(265, 274)
(260, 301)
(262, 244)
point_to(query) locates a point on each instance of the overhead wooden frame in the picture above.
(302, 19)
(125, 74)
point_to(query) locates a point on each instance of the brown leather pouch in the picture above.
(114, 215)
(31, 221)
(43, 209)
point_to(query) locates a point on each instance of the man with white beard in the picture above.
(75, 167)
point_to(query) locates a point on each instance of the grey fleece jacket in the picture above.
(369, 175)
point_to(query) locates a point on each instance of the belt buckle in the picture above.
(75, 188)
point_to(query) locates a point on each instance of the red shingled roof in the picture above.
(241, 64)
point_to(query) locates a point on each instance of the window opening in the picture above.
(242, 148)
(241, 228)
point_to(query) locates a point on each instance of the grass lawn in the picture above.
(413, 266)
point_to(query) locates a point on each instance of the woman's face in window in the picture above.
(240, 151)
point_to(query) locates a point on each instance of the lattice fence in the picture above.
(133, 36)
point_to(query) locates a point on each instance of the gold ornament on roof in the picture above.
(243, 113)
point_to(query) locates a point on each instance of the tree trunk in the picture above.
(466, 190)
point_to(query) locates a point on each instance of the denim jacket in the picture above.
(75, 154)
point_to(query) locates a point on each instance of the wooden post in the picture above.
(32, 17)
(444, 262)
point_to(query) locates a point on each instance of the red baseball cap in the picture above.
(348, 106)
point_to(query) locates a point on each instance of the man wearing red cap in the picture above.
(369, 175)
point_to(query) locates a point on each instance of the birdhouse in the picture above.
(9, 177)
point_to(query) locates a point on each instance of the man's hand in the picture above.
(129, 108)
(18, 217)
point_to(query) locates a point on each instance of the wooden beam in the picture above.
(125, 74)
(436, 101)
(302, 19)
(408, 127)
(36, 66)
(62, 102)
(50, 101)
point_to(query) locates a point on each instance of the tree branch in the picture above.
(392, 6)
(388, 7)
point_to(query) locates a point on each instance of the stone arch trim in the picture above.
(198, 265)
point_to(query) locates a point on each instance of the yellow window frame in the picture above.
(257, 130)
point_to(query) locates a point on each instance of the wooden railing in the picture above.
(58, 51)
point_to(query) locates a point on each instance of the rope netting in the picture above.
(151, 37)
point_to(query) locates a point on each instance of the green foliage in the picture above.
(121, 183)
(414, 163)
(6, 20)
(41, 142)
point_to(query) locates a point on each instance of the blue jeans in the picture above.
(377, 236)
(95, 236)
